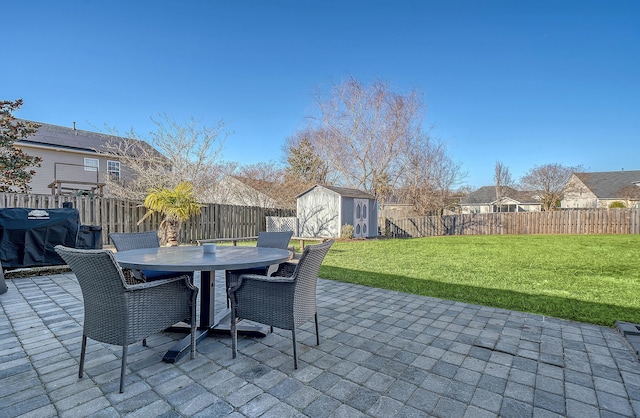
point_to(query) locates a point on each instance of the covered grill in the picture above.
(27, 236)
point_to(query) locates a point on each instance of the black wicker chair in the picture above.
(121, 314)
(285, 300)
(268, 240)
(134, 240)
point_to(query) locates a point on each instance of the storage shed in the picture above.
(323, 210)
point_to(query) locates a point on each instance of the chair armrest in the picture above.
(237, 284)
(270, 279)
(155, 283)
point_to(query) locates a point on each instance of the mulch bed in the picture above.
(35, 271)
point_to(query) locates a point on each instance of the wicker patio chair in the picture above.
(121, 314)
(285, 300)
(267, 240)
(134, 240)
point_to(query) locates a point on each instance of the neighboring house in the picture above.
(484, 200)
(242, 191)
(600, 189)
(323, 210)
(73, 160)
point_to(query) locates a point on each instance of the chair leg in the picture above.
(83, 350)
(227, 283)
(295, 354)
(194, 327)
(234, 333)
(317, 332)
(123, 367)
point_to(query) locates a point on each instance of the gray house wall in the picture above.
(59, 144)
(600, 189)
(578, 195)
(45, 173)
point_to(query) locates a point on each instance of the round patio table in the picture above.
(193, 258)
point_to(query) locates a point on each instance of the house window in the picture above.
(91, 164)
(113, 170)
(505, 208)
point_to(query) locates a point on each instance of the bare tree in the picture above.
(631, 194)
(262, 184)
(175, 152)
(362, 132)
(549, 182)
(265, 181)
(502, 177)
(428, 176)
(370, 138)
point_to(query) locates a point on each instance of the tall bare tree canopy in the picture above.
(428, 176)
(16, 167)
(364, 130)
(178, 152)
(367, 135)
(548, 181)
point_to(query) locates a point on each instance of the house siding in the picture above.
(600, 189)
(45, 173)
(58, 144)
(231, 191)
(578, 195)
(483, 200)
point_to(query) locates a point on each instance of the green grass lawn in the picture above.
(589, 278)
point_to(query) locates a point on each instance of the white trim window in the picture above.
(91, 164)
(113, 170)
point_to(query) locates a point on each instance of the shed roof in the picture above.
(610, 184)
(343, 191)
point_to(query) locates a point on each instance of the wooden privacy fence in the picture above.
(115, 215)
(226, 221)
(587, 221)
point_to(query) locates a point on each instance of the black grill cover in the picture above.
(89, 237)
(27, 236)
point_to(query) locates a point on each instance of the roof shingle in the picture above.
(609, 184)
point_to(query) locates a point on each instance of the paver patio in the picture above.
(382, 354)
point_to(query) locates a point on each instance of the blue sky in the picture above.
(523, 82)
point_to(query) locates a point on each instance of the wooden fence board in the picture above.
(115, 215)
(583, 221)
(225, 221)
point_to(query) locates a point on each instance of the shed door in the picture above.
(360, 218)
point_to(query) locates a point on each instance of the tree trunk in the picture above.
(173, 230)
